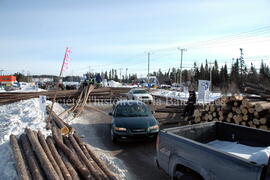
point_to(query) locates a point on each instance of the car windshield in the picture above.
(134, 110)
(140, 91)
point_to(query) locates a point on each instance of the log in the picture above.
(30, 157)
(84, 149)
(256, 122)
(220, 113)
(58, 158)
(220, 118)
(68, 143)
(229, 119)
(244, 111)
(49, 154)
(243, 123)
(263, 127)
(263, 121)
(245, 117)
(250, 123)
(83, 157)
(262, 106)
(20, 164)
(251, 110)
(238, 111)
(210, 117)
(74, 159)
(72, 171)
(230, 115)
(43, 159)
(101, 164)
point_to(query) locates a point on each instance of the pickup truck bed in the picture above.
(185, 149)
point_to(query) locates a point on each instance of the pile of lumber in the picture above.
(66, 96)
(247, 111)
(61, 156)
(257, 89)
(10, 97)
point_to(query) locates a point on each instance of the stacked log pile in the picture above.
(61, 156)
(257, 89)
(248, 111)
(10, 97)
(65, 96)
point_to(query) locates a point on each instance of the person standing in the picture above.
(190, 106)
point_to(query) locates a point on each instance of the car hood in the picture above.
(135, 122)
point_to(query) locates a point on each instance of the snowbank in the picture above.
(259, 155)
(182, 95)
(113, 83)
(14, 118)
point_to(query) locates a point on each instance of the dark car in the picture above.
(132, 119)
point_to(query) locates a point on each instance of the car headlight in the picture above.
(155, 127)
(120, 129)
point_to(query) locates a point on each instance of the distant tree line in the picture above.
(222, 77)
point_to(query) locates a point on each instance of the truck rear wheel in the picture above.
(180, 176)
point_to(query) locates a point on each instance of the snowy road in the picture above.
(135, 159)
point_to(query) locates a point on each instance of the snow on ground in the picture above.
(113, 83)
(14, 118)
(182, 95)
(259, 155)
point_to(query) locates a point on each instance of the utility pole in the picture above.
(182, 50)
(211, 86)
(126, 74)
(148, 73)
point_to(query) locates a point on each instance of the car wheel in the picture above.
(113, 136)
(133, 98)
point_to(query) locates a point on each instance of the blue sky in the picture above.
(106, 34)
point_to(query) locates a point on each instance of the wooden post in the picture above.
(58, 159)
(74, 159)
(20, 165)
(49, 154)
(43, 159)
